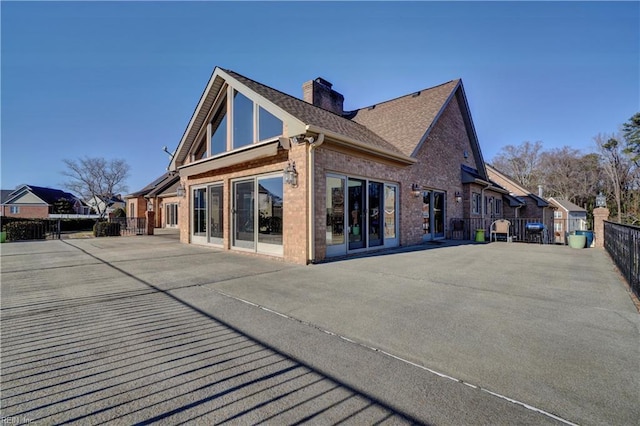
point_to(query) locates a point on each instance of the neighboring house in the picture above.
(567, 218)
(106, 205)
(29, 201)
(520, 203)
(159, 196)
(268, 173)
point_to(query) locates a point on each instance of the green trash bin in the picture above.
(3, 237)
(479, 235)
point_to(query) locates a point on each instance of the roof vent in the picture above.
(371, 107)
(415, 95)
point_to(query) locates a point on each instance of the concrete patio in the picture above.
(145, 329)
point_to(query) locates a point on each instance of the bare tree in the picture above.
(617, 167)
(570, 175)
(96, 177)
(521, 163)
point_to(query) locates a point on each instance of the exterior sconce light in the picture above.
(150, 205)
(180, 191)
(291, 174)
(458, 197)
(601, 200)
(415, 188)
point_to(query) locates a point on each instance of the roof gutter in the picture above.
(361, 146)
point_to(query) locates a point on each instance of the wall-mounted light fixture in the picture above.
(291, 174)
(458, 197)
(150, 205)
(180, 191)
(415, 189)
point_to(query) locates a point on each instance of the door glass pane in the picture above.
(438, 213)
(390, 212)
(215, 212)
(357, 206)
(426, 212)
(244, 217)
(335, 211)
(242, 120)
(270, 202)
(375, 194)
(200, 212)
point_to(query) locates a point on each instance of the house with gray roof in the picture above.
(30, 201)
(567, 218)
(264, 172)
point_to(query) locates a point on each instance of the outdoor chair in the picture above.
(500, 226)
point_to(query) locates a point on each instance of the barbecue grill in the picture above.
(536, 232)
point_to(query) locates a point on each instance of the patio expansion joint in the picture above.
(388, 354)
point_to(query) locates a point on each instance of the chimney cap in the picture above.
(324, 82)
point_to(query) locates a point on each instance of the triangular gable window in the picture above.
(247, 124)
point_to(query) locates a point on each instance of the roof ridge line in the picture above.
(404, 96)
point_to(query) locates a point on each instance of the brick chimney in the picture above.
(318, 92)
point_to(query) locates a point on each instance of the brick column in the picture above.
(151, 221)
(600, 214)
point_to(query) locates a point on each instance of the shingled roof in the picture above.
(397, 127)
(48, 195)
(404, 121)
(316, 116)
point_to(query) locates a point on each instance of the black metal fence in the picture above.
(18, 229)
(131, 225)
(622, 242)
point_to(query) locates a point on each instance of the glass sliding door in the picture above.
(438, 214)
(199, 224)
(335, 199)
(357, 217)
(270, 203)
(244, 218)
(258, 214)
(216, 214)
(390, 215)
(171, 215)
(433, 214)
(375, 209)
(426, 215)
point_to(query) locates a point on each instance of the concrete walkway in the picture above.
(144, 329)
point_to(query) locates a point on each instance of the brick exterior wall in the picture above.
(27, 211)
(294, 208)
(437, 168)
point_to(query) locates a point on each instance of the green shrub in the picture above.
(106, 229)
(119, 212)
(25, 230)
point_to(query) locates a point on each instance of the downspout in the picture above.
(311, 195)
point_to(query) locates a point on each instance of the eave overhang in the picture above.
(360, 146)
(232, 158)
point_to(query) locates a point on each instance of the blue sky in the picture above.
(121, 79)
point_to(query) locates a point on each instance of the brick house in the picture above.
(567, 218)
(160, 196)
(36, 202)
(521, 205)
(265, 172)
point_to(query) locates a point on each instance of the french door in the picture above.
(433, 214)
(360, 215)
(207, 214)
(257, 214)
